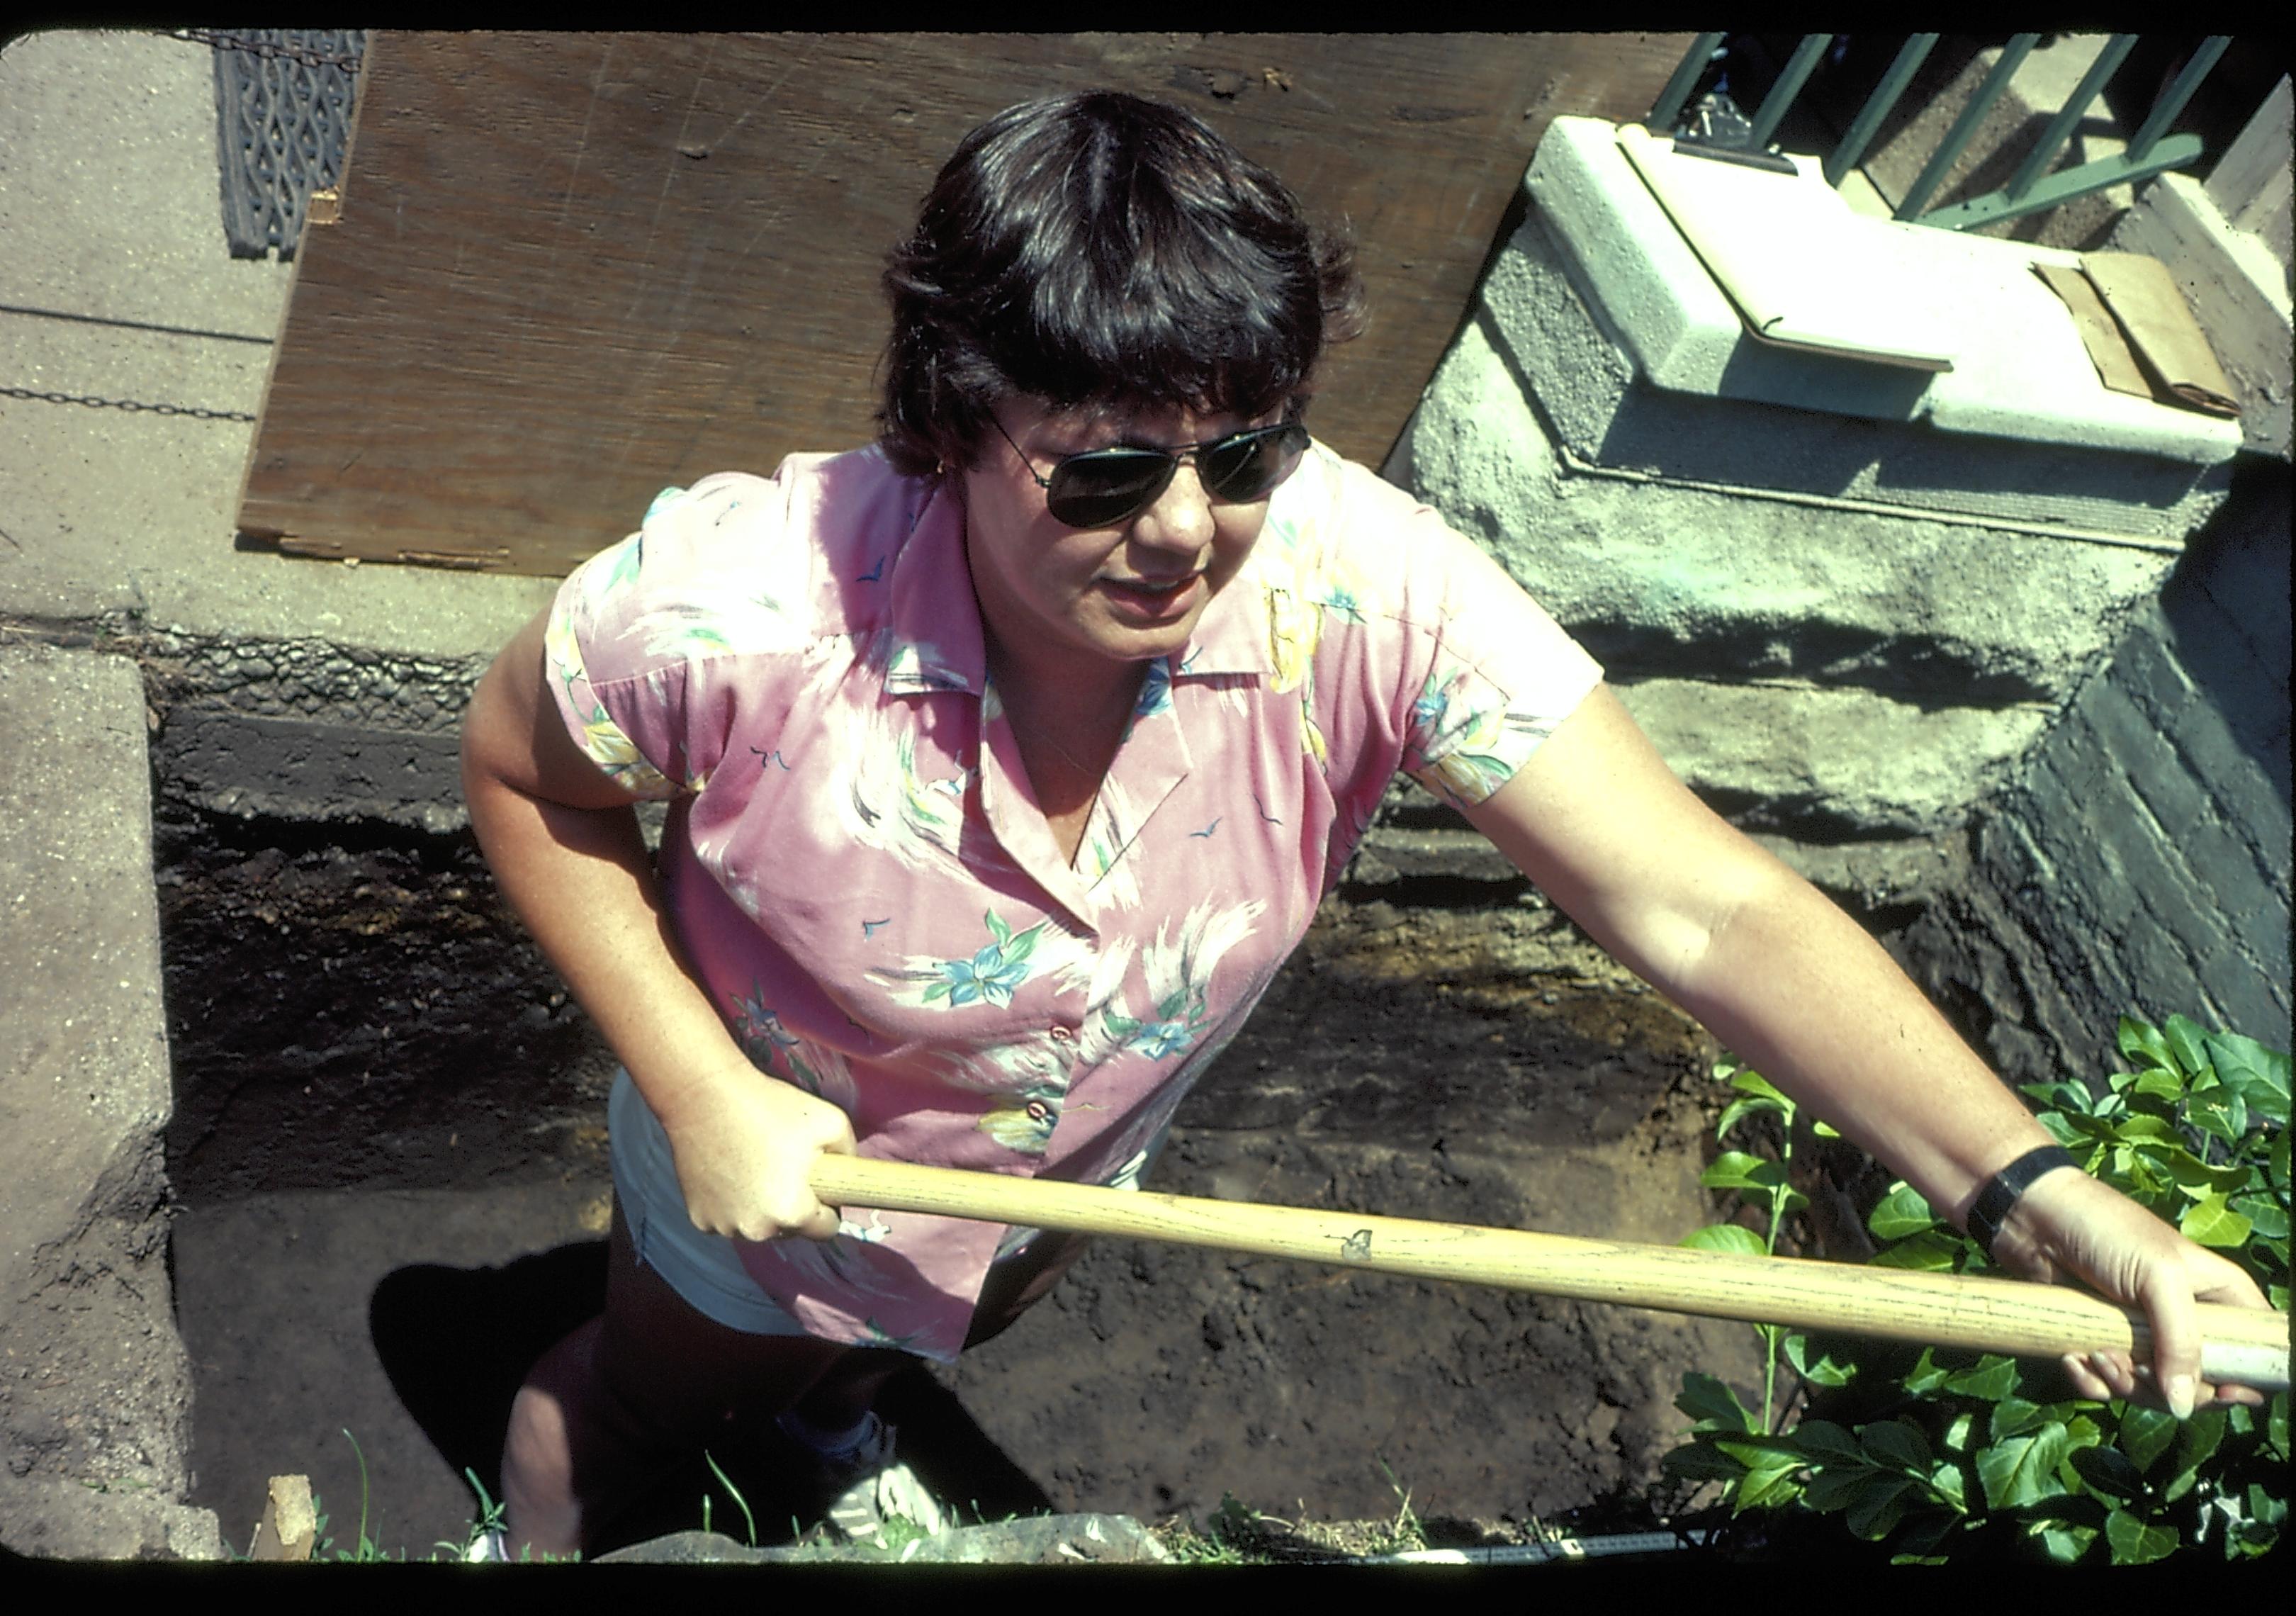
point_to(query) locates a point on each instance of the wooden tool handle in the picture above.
(1979, 1314)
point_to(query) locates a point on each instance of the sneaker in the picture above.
(489, 1547)
(870, 1486)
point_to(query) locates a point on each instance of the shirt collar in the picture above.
(934, 619)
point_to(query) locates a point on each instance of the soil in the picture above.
(387, 1154)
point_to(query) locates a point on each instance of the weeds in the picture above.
(1950, 1455)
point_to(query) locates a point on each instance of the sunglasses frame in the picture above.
(1171, 459)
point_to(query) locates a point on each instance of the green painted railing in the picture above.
(2151, 151)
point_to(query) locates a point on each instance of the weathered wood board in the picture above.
(571, 269)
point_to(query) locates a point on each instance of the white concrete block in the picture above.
(2019, 372)
(1811, 423)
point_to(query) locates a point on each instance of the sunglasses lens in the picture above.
(1246, 467)
(1102, 489)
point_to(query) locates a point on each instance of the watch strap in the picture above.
(2002, 1191)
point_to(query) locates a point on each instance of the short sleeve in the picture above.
(1500, 673)
(634, 627)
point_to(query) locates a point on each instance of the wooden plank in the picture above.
(572, 268)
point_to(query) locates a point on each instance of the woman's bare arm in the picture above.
(1789, 983)
(564, 845)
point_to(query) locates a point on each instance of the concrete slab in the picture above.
(116, 283)
(2020, 432)
(94, 1385)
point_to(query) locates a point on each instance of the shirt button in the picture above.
(1061, 1035)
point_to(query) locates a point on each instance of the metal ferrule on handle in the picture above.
(1976, 1314)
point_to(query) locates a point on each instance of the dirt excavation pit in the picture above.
(389, 1152)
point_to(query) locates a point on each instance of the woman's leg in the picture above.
(631, 1392)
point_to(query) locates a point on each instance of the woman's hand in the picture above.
(2068, 1224)
(744, 1144)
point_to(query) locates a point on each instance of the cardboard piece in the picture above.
(2116, 366)
(2159, 324)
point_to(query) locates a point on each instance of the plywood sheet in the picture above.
(572, 268)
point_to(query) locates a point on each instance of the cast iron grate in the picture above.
(283, 123)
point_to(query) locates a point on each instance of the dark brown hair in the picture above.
(1103, 250)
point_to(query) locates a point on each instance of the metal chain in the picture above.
(128, 403)
(262, 47)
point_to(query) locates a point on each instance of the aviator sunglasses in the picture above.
(1103, 487)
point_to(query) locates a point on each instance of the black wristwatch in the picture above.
(2002, 1190)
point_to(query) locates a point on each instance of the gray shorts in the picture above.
(704, 1269)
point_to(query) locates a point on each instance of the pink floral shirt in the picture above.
(859, 873)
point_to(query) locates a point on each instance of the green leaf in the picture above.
(1927, 1374)
(2186, 1039)
(1768, 1486)
(1993, 1378)
(2146, 1434)
(1824, 1130)
(1725, 1238)
(998, 928)
(2158, 1084)
(2197, 1439)
(2065, 1542)
(1739, 1109)
(1827, 1371)
(2197, 1177)
(2022, 1470)
(1831, 1489)
(1700, 1462)
(2258, 1075)
(1709, 1402)
(1736, 1169)
(1902, 1211)
(1878, 1506)
(1936, 1251)
(2212, 1223)
(2220, 1113)
(1897, 1444)
(1826, 1443)
(2264, 1506)
(1754, 1083)
(2137, 1039)
(2013, 1415)
(2267, 1217)
(1957, 1435)
(2108, 1472)
(2136, 1541)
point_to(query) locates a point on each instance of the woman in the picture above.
(1008, 758)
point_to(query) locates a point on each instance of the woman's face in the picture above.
(1131, 593)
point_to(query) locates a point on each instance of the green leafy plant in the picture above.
(1938, 1454)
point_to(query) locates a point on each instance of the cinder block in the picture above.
(2144, 669)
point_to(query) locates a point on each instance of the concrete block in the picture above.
(96, 1397)
(2062, 447)
(2252, 182)
(1658, 578)
(1847, 758)
(2144, 670)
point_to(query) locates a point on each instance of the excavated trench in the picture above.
(389, 1152)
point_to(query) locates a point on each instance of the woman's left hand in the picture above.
(2069, 1225)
